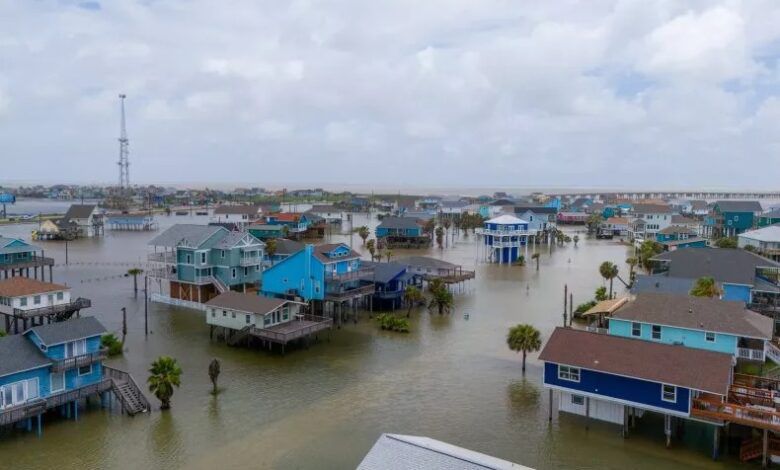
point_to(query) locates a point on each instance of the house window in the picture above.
(203, 258)
(85, 370)
(246, 271)
(577, 400)
(569, 373)
(233, 273)
(23, 301)
(213, 312)
(189, 259)
(233, 314)
(60, 295)
(224, 313)
(709, 336)
(76, 348)
(57, 382)
(636, 329)
(656, 332)
(267, 320)
(222, 254)
(669, 393)
(247, 319)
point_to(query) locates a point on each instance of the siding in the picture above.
(724, 342)
(736, 292)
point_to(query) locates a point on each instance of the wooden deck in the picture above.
(749, 406)
(283, 333)
(348, 294)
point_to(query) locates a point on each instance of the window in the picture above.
(247, 319)
(189, 258)
(636, 329)
(213, 312)
(233, 314)
(577, 400)
(656, 331)
(222, 254)
(669, 393)
(57, 382)
(32, 388)
(246, 271)
(267, 320)
(709, 336)
(569, 373)
(23, 301)
(233, 273)
(85, 370)
(224, 313)
(76, 348)
(36, 299)
(203, 258)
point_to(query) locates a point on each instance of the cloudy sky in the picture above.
(440, 93)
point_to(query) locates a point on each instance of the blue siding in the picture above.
(301, 273)
(724, 342)
(641, 392)
(736, 292)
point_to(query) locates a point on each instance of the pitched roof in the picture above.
(399, 223)
(276, 227)
(682, 220)
(321, 251)
(535, 209)
(661, 284)
(697, 369)
(651, 209)
(682, 241)
(698, 313)
(246, 302)
(288, 247)
(773, 214)
(237, 209)
(18, 286)
(722, 264)
(426, 262)
(401, 452)
(673, 229)
(231, 239)
(698, 204)
(606, 307)
(20, 354)
(71, 330)
(321, 208)
(79, 211)
(386, 272)
(739, 206)
(191, 235)
(25, 248)
(287, 216)
(506, 219)
(766, 234)
(617, 220)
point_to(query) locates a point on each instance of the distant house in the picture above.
(85, 218)
(661, 284)
(239, 215)
(402, 232)
(266, 231)
(453, 208)
(284, 249)
(743, 276)
(390, 281)
(656, 217)
(427, 268)
(580, 204)
(695, 207)
(201, 261)
(614, 226)
(503, 237)
(17, 258)
(572, 218)
(695, 225)
(765, 241)
(540, 218)
(695, 322)
(330, 213)
(679, 236)
(298, 225)
(25, 301)
(730, 218)
(769, 218)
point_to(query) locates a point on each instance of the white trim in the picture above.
(663, 391)
(579, 373)
(78, 371)
(51, 382)
(623, 402)
(646, 322)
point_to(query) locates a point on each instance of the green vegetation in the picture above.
(112, 344)
(535, 256)
(601, 294)
(270, 248)
(631, 262)
(440, 237)
(524, 338)
(576, 239)
(726, 242)
(441, 297)
(388, 321)
(593, 222)
(705, 287)
(520, 261)
(412, 297)
(371, 247)
(165, 375)
(648, 250)
(363, 233)
(135, 272)
(609, 272)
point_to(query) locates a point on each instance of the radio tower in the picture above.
(124, 143)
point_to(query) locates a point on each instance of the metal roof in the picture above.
(661, 284)
(246, 302)
(506, 219)
(400, 452)
(386, 272)
(426, 262)
(696, 369)
(399, 223)
(79, 211)
(19, 354)
(71, 330)
(190, 235)
(26, 248)
(732, 266)
(766, 234)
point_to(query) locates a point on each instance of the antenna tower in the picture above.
(124, 152)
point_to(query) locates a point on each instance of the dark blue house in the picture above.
(390, 280)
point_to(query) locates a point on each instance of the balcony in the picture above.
(31, 262)
(357, 274)
(80, 361)
(60, 309)
(168, 258)
(250, 261)
(501, 233)
(343, 294)
(39, 405)
(22, 411)
(750, 354)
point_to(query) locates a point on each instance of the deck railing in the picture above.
(319, 324)
(501, 233)
(750, 415)
(772, 352)
(79, 361)
(77, 304)
(168, 257)
(250, 261)
(357, 274)
(22, 411)
(595, 329)
(751, 354)
(88, 390)
(31, 262)
(346, 294)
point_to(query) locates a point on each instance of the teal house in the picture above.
(695, 322)
(202, 261)
(679, 236)
(730, 218)
(19, 258)
(399, 226)
(769, 218)
(266, 231)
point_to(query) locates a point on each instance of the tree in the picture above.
(135, 272)
(593, 222)
(726, 242)
(525, 339)
(214, 370)
(446, 223)
(363, 233)
(388, 254)
(440, 237)
(608, 271)
(751, 248)
(647, 251)
(429, 226)
(270, 249)
(576, 239)
(600, 294)
(441, 297)
(165, 375)
(631, 262)
(412, 296)
(112, 344)
(371, 247)
(535, 256)
(705, 287)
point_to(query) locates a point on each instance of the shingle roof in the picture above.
(190, 235)
(233, 238)
(699, 313)
(71, 330)
(535, 209)
(288, 247)
(651, 209)
(682, 241)
(673, 229)
(505, 220)
(237, 209)
(18, 286)
(401, 452)
(426, 262)
(739, 206)
(766, 234)
(661, 284)
(399, 223)
(79, 211)
(320, 251)
(682, 220)
(246, 302)
(386, 272)
(18, 354)
(4, 241)
(617, 220)
(724, 265)
(697, 369)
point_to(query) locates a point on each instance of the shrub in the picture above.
(390, 322)
(112, 343)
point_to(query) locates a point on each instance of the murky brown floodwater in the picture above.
(450, 378)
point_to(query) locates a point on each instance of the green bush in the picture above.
(584, 307)
(520, 261)
(390, 322)
(601, 294)
(112, 343)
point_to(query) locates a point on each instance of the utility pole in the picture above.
(146, 305)
(124, 324)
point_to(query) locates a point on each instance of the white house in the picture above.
(23, 293)
(240, 215)
(84, 218)
(540, 218)
(236, 311)
(656, 217)
(765, 241)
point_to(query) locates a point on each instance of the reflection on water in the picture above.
(450, 378)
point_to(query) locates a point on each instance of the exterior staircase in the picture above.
(221, 286)
(772, 352)
(127, 391)
(238, 336)
(753, 448)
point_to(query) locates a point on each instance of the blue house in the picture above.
(742, 275)
(730, 218)
(674, 237)
(202, 261)
(695, 322)
(17, 257)
(402, 232)
(540, 218)
(611, 378)
(329, 272)
(55, 367)
(390, 281)
(503, 238)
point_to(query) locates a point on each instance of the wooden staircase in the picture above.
(127, 391)
(238, 336)
(751, 449)
(221, 286)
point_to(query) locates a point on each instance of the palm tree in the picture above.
(135, 272)
(446, 223)
(576, 238)
(429, 226)
(214, 370)
(165, 375)
(441, 297)
(440, 237)
(363, 233)
(705, 287)
(270, 249)
(412, 296)
(388, 254)
(631, 262)
(609, 271)
(524, 338)
(535, 256)
(371, 247)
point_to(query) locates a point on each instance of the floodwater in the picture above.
(450, 378)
